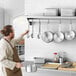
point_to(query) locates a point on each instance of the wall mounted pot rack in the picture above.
(30, 18)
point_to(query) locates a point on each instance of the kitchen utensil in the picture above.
(60, 60)
(28, 29)
(34, 68)
(66, 65)
(70, 35)
(51, 66)
(47, 36)
(32, 30)
(31, 68)
(39, 30)
(59, 36)
(72, 69)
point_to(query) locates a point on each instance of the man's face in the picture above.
(12, 34)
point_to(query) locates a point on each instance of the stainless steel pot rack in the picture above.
(51, 17)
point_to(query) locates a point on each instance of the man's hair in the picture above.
(6, 30)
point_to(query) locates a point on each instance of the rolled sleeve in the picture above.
(4, 59)
(17, 40)
(8, 64)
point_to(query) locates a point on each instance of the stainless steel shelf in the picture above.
(51, 17)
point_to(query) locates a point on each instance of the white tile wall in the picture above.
(36, 47)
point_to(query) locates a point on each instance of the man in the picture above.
(9, 60)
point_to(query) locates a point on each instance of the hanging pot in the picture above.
(59, 36)
(70, 35)
(47, 36)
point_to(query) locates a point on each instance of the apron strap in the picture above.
(15, 54)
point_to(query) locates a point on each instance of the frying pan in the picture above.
(59, 36)
(70, 35)
(47, 36)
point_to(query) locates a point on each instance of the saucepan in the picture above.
(70, 35)
(59, 36)
(47, 36)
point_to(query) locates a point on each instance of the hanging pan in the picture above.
(47, 36)
(70, 35)
(59, 36)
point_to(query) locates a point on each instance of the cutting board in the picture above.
(69, 69)
(51, 66)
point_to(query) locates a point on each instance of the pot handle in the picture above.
(59, 26)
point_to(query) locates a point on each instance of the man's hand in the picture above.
(25, 33)
(18, 65)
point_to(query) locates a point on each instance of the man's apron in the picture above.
(15, 71)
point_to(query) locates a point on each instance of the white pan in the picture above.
(70, 35)
(47, 36)
(59, 36)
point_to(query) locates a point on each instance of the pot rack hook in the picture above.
(48, 21)
(70, 21)
(70, 24)
(60, 25)
(39, 21)
(39, 29)
(60, 20)
(30, 21)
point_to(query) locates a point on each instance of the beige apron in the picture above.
(16, 71)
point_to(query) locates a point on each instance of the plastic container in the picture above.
(51, 12)
(67, 12)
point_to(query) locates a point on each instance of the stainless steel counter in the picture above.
(39, 68)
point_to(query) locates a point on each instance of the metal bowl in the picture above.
(58, 37)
